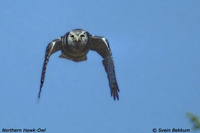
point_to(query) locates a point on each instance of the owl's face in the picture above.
(77, 39)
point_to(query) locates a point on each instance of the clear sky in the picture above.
(156, 50)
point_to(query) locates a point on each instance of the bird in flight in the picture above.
(75, 45)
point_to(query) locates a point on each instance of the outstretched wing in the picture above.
(52, 47)
(101, 46)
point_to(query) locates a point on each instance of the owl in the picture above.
(75, 45)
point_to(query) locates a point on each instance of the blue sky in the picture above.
(155, 46)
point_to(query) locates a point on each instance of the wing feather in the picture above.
(52, 47)
(101, 46)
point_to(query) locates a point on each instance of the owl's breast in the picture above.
(75, 51)
(77, 47)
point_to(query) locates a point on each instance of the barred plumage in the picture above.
(74, 46)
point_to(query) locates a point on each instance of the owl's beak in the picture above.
(77, 39)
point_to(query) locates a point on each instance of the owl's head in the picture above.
(77, 39)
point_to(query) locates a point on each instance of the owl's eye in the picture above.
(82, 36)
(72, 36)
